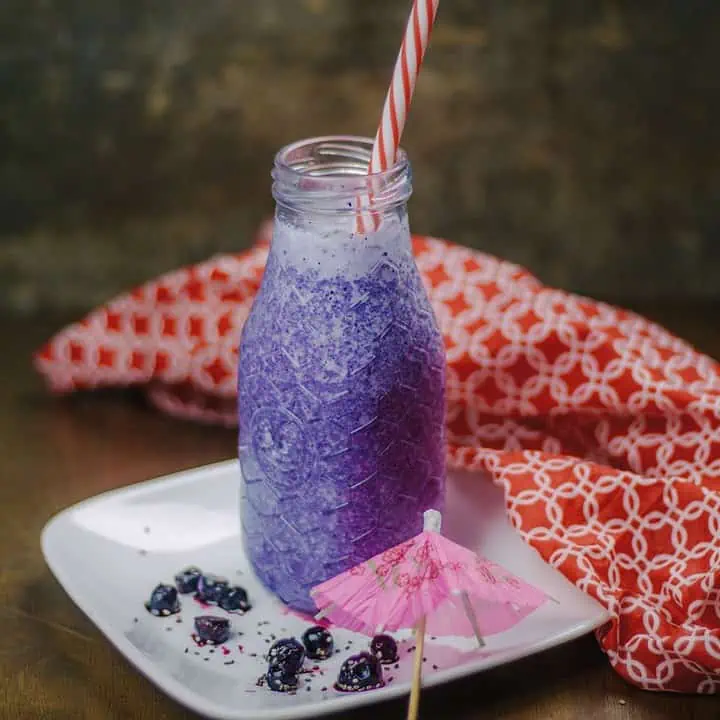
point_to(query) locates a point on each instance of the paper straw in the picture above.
(402, 85)
(399, 94)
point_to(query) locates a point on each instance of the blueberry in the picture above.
(385, 649)
(234, 599)
(318, 643)
(280, 681)
(210, 588)
(163, 601)
(360, 672)
(286, 655)
(186, 581)
(212, 629)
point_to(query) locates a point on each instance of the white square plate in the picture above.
(109, 552)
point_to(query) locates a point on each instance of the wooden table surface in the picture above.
(54, 664)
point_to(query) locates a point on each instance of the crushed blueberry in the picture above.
(287, 655)
(212, 629)
(360, 672)
(279, 680)
(186, 581)
(210, 588)
(318, 643)
(163, 601)
(385, 649)
(234, 599)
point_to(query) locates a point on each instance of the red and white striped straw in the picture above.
(399, 95)
(400, 92)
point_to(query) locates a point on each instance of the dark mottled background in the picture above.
(579, 137)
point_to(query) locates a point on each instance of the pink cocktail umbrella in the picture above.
(404, 586)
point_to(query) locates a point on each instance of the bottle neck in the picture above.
(320, 185)
(327, 178)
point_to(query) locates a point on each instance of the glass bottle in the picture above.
(341, 374)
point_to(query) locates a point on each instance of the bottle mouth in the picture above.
(330, 175)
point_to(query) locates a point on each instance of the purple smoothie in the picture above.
(341, 403)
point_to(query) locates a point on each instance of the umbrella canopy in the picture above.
(398, 587)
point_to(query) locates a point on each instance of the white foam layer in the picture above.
(332, 248)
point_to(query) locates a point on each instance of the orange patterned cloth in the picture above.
(602, 428)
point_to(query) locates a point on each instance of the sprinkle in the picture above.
(323, 689)
(168, 628)
(135, 620)
(390, 679)
(623, 702)
(308, 688)
(229, 662)
(146, 530)
(225, 651)
(435, 667)
(142, 552)
(253, 654)
(186, 651)
(196, 652)
(397, 666)
(241, 648)
(206, 659)
(178, 621)
(212, 650)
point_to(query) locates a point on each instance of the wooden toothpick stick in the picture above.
(414, 704)
(470, 612)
